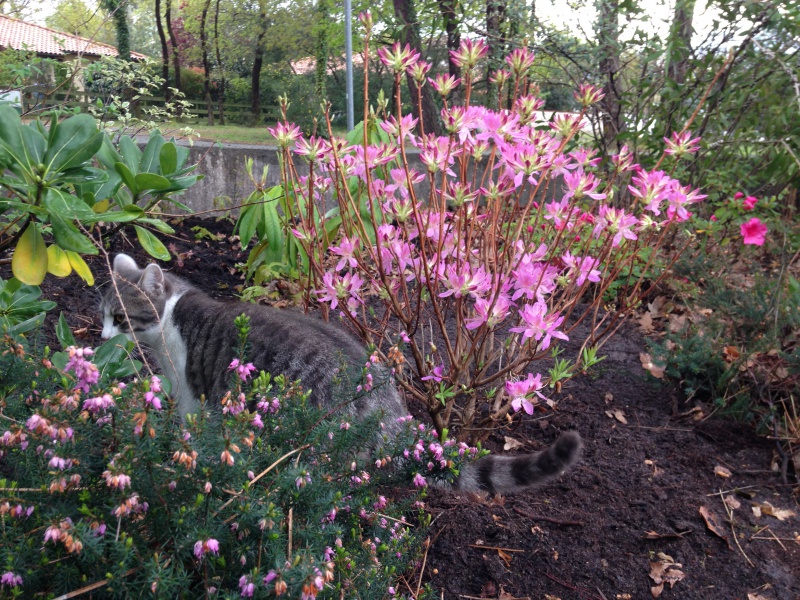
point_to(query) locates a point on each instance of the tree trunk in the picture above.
(447, 8)
(679, 45)
(258, 62)
(608, 45)
(164, 51)
(221, 91)
(406, 14)
(176, 57)
(206, 64)
(495, 38)
(119, 13)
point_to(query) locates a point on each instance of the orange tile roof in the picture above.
(20, 35)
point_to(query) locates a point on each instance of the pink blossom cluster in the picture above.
(206, 546)
(85, 371)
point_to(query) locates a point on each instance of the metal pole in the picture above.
(348, 51)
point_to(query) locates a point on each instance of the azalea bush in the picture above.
(106, 491)
(507, 243)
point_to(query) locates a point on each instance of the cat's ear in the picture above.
(124, 263)
(152, 281)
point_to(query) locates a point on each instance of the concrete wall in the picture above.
(226, 177)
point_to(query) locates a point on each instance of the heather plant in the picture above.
(503, 247)
(107, 491)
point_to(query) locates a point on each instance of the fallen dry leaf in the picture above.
(617, 414)
(779, 513)
(713, 525)
(608, 397)
(756, 597)
(731, 354)
(664, 570)
(646, 323)
(720, 471)
(511, 444)
(677, 323)
(647, 363)
(732, 502)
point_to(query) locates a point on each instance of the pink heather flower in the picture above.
(207, 546)
(749, 203)
(519, 391)
(10, 579)
(99, 404)
(150, 399)
(444, 84)
(419, 480)
(270, 577)
(679, 144)
(246, 587)
(155, 384)
(754, 232)
(86, 373)
(469, 53)
(117, 481)
(52, 534)
(398, 58)
(539, 325)
(243, 370)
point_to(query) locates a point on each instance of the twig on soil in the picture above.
(732, 521)
(583, 592)
(533, 517)
(734, 490)
(422, 569)
(495, 548)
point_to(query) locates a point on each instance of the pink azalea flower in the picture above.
(754, 232)
(539, 325)
(749, 203)
(519, 391)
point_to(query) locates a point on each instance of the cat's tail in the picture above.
(505, 474)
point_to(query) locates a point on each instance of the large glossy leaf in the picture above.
(29, 263)
(76, 141)
(69, 238)
(58, 262)
(151, 244)
(151, 181)
(64, 334)
(107, 154)
(66, 205)
(131, 155)
(84, 176)
(151, 153)
(127, 177)
(80, 266)
(168, 158)
(109, 187)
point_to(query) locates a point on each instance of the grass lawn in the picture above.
(240, 134)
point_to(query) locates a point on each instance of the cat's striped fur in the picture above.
(193, 338)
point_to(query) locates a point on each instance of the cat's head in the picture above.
(135, 300)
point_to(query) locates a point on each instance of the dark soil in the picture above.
(593, 533)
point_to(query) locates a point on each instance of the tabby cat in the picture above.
(193, 338)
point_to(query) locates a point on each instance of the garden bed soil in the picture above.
(651, 465)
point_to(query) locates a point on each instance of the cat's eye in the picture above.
(119, 319)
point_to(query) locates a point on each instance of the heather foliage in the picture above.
(105, 489)
(505, 245)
